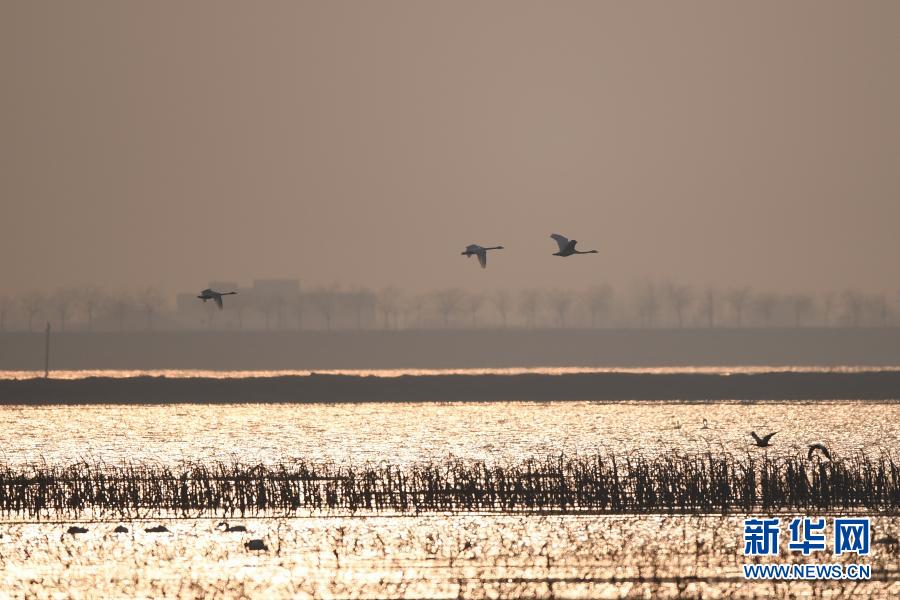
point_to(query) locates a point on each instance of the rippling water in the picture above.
(450, 556)
(418, 556)
(410, 432)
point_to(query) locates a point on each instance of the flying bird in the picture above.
(821, 447)
(567, 246)
(480, 252)
(762, 442)
(209, 294)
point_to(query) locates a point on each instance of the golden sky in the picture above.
(172, 143)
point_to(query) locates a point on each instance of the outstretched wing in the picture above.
(755, 437)
(218, 299)
(814, 447)
(561, 241)
(768, 437)
(482, 257)
(206, 292)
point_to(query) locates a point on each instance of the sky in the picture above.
(169, 144)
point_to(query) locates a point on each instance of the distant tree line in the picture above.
(644, 305)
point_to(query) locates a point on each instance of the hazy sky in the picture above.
(171, 143)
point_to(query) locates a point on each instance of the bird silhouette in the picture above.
(480, 252)
(209, 294)
(120, 529)
(157, 529)
(821, 447)
(230, 528)
(762, 442)
(705, 424)
(567, 246)
(76, 529)
(256, 545)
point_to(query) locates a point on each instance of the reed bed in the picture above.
(633, 484)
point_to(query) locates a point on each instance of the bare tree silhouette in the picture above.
(561, 301)
(472, 303)
(502, 301)
(62, 302)
(530, 304)
(265, 304)
(417, 303)
(765, 305)
(90, 298)
(119, 305)
(360, 299)
(599, 301)
(211, 310)
(151, 301)
(802, 305)
(679, 298)
(738, 298)
(708, 303)
(853, 305)
(651, 304)
(389, 300)
(324, 299)
(448, 302)
(647, 303)
(299, 303)
(239, 305)
(32, 303)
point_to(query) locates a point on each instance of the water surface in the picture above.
(438, 556)
(408, 432)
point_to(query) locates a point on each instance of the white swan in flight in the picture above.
(209, 294)
(480, 252)
(567, 246)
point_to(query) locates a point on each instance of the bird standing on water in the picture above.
(762, 442)
(480, 252)
(209, 294)
(567, 246)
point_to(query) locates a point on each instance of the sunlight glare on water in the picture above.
(410, 432)
(210, 374)
(436, 556)
(467, 555)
